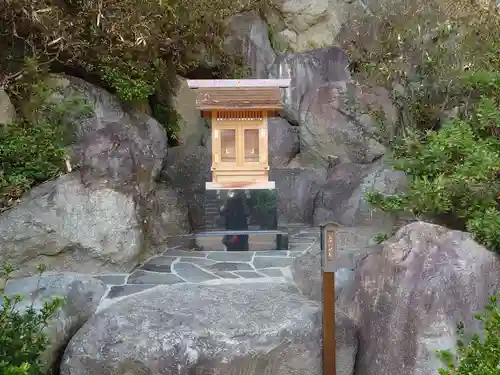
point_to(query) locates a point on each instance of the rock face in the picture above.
(342, 197)
(308, 70)
(297, 189)
(284, 142)
(114, 147)
(68, 226)
(7, 110)
(186, 169)
(327, 126)
(249, 37)
(81, 293)
(410, 296)
(99, 218)
(229, 329)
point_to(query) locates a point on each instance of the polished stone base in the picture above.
(241, 209)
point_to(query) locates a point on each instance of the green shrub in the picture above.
(33, 150)
(22, 340)
(441, 66)
(481, 356)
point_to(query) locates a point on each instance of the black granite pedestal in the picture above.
(242, 220)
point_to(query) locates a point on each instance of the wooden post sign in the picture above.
(328, 264)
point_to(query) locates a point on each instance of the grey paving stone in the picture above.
(183, 253)
(158, 264)
(198, 261)
(226, 275)
(298, 246)
(272, 253)
(273, 272)
(144, 277)
(228, 266)
(248, 274)
(231, 256)
(112, 279)
(191, 273)
(269, 262)
(126, 290)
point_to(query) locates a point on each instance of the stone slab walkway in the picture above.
(211, 267)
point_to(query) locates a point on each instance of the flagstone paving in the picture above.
(211, 267)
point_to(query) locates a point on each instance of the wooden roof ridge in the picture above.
(234, 83)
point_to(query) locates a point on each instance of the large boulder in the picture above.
(186, 169)
(343, 196)
(307, 272)
(411, 295)
(307, 71)
(308, 23)
(7, 110)
(334, 121)
(297, 189)
(96, 218)
(249, 38)
(185, 329)
(284, 143)
(114, 147)
(71, 227)
(81, 294)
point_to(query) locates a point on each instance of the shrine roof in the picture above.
(233, 83)
(237, 94)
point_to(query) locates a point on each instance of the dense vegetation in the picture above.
(442, 67)
(134, 48)
(22, 337)
(481, 356)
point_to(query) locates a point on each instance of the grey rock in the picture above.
(82, 295)
(297, 189)
(307, 271)
(333, 122)
(346, 344)
(410, 296)
(167, 216)
(114, 147)
(249, 37)
(186, 328)
(7, 110)
(185, 254)
(186, 169)
(191, 273)
(145, 277)
(284, 142)
(70, 227)
(307, 71)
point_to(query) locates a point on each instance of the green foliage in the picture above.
(129, 85)
(22, 337)
(380, 237)
(479, 356)
(33, 150)
(169, 118)
(440, 63)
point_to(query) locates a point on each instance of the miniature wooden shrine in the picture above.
(239, 110)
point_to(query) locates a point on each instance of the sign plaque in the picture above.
(329, 246)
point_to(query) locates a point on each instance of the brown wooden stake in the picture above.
(329, 352)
